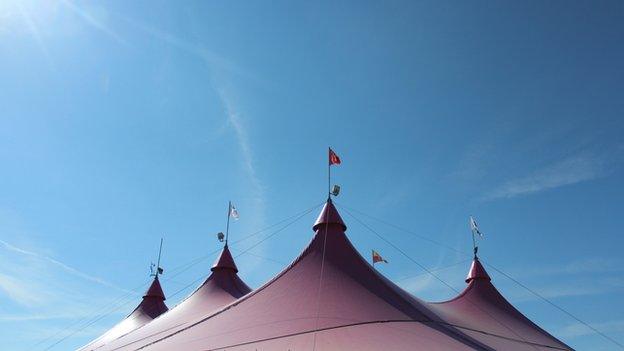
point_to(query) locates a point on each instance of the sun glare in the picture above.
(21, 15)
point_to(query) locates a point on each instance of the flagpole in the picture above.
(159, 253)
(328, 173)
(227, 227)
(474, 244)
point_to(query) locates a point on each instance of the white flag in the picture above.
(233, 212)
(474, 227)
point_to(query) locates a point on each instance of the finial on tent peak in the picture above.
(477, 271)
(329, 215)
(155, 290)
(224, 261)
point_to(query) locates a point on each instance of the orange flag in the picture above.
(377, 257)
(333, 158)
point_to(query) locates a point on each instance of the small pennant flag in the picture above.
(234, 212)
(474, 227)
(377, 257)
(333, 158)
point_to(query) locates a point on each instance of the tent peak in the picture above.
(225, 261)
(477, 271)
(329, 215)
(155, 290)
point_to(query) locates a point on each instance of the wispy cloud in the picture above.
(242, 137)
(219, 68)
(20, 292)
(560, 290)
(586, 265)
(572, 170)
(41, 293)
(62, 265)
(215, 62)
(92, 21)
(577, 329)
(237, 123)
(560, 281)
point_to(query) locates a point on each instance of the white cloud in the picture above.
(242, 138)
(93, 21)
(214, 61)
(62, 265)
(567, 290)
(219, 67)
(41, 293)
(572, 170)
(577, 329)
(577, 267)
(20, 292)
(561, 280)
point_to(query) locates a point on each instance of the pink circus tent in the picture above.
(330, 298)
(484, 314)
(152, 306)
(220, 288)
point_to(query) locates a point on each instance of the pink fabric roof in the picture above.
(352, 307)
(481, 308)
(219, 289)
(152, 306)
(357, 309)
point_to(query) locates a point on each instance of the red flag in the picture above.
(377, 258)
(333, 158)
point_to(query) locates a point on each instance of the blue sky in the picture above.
(124, 122)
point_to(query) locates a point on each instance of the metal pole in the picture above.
(227, 228)
(474, 244)
(329, 173)
(159, 253)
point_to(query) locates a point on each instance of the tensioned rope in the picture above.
(316, 329)
(301, 215)
(320, 287)
(125, 299)
(422, 237)
(534, 344)
(370, 322)
(297, 217)
(268, 259)
(429, 271)
(436, 269)
(558, 307)
(114, 309)
(102, 311)
(433, 274)
(535, 293)
(240, 253)
(247, 251)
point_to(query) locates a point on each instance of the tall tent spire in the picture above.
(329, 215)
(331, 298)
(225, 261)
(481, 307)
(477, 271)
(222, 287)
(347, 305)
(152, 306)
